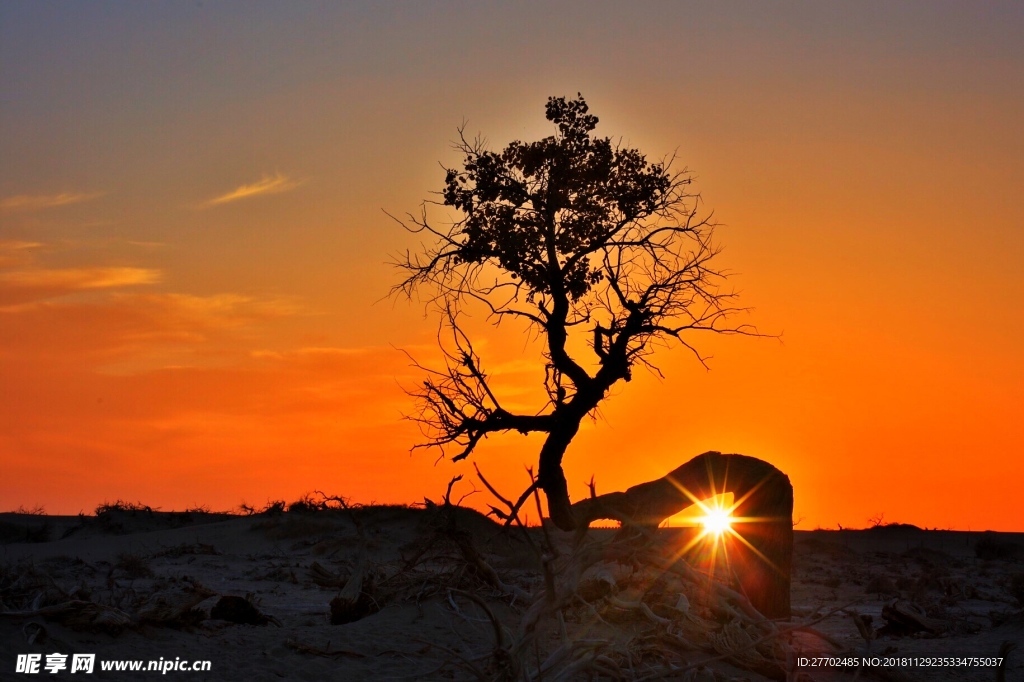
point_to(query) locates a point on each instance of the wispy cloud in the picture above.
(35, 202)
(40, 283)
(228, 309)
(16, 245)
(313, 351)
(15, 252)
(268, 184)
(124, 330)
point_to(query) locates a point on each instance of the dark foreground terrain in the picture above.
(444, 593)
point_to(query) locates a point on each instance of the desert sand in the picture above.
(446, 593)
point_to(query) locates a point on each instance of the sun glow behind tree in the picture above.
(716, 521)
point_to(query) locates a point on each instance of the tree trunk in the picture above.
(763, 513)
(551, 479)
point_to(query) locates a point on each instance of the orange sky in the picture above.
(193, 255)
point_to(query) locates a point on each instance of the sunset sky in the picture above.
(194, 252)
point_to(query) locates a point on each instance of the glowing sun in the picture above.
(716, 521)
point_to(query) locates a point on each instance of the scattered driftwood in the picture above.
(482, 568)
(354, 601)
(32, 588)
(175, 607)
(240, 610)
(79, 615)
(602, 580)
(763, 513)
(905, 618)
(470, 569)
(324, 577)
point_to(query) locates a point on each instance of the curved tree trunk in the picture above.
(763, 513)
(551, 478)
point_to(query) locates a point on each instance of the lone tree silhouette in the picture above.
(578, 237)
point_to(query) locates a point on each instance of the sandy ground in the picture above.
(145, 586)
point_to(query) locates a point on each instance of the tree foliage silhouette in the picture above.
(577, 237)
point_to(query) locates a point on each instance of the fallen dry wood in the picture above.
(641, 607)
(173, 607)
(484, 569)
(904, 617)
(324, 577)
(353, 602)
(602, 579)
